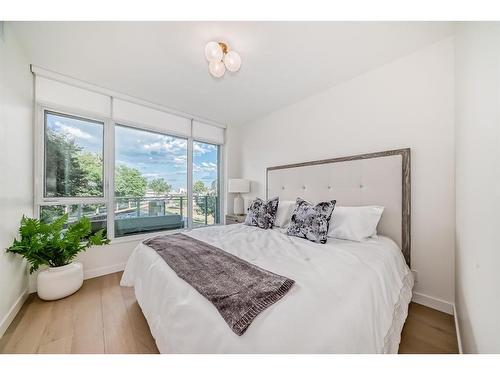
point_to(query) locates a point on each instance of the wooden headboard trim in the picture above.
(406, 187)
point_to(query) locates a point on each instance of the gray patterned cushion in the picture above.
(311, 222)
(262, 214)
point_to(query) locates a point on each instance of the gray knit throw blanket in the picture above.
(238, 289)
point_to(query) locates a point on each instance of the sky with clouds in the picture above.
(154, 155)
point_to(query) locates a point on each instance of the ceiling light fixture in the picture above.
(220, 58)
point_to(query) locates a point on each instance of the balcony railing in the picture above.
(146, 214)
(143, 214)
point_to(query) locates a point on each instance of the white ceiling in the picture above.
(163, 62)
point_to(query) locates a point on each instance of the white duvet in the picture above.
(348, 297)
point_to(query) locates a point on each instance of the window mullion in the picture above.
(39, 156)
(190, 182)
(221, 192)
(109, 169)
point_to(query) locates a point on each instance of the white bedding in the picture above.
(349, 297)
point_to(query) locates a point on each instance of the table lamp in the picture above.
(238, 185)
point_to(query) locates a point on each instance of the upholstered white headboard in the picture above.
(381, 178)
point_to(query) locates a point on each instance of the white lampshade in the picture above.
(232, 60)
(238, 185)
(213, 51)
(216, 68)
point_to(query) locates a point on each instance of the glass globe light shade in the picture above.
(216, 68)
(213, 51)
(232, 60)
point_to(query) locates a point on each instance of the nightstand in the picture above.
(235, 219)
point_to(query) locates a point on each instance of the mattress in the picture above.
(349, 297)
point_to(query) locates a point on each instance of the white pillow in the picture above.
(355, 223)
(284, 214)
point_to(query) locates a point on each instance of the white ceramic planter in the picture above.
(59, 282)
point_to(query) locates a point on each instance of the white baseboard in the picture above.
(434, 303)
(457, 329)
(101, 271)
(5, 323)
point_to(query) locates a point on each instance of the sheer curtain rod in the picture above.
(37, 71)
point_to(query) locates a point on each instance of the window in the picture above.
(126, 180)
(73, 169)
(73, 156)
(205, 184)
(150, 181)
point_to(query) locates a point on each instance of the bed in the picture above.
(348, 297)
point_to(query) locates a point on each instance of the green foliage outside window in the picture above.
(129, 182)
(205, 199)
(74, 173)
(66, 175)
(159, 186)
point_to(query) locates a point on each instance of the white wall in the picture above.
(478, 185)
(101, 260)
(406, 103)
(233, 162)
(16, 185)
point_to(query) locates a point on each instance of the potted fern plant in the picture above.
(56, 245)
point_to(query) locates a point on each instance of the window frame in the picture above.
(39, 156)
(108, 197)
(219, 182)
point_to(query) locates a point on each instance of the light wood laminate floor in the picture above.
(103, 317)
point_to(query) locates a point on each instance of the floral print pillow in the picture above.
(311, 221)
(262, 214)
